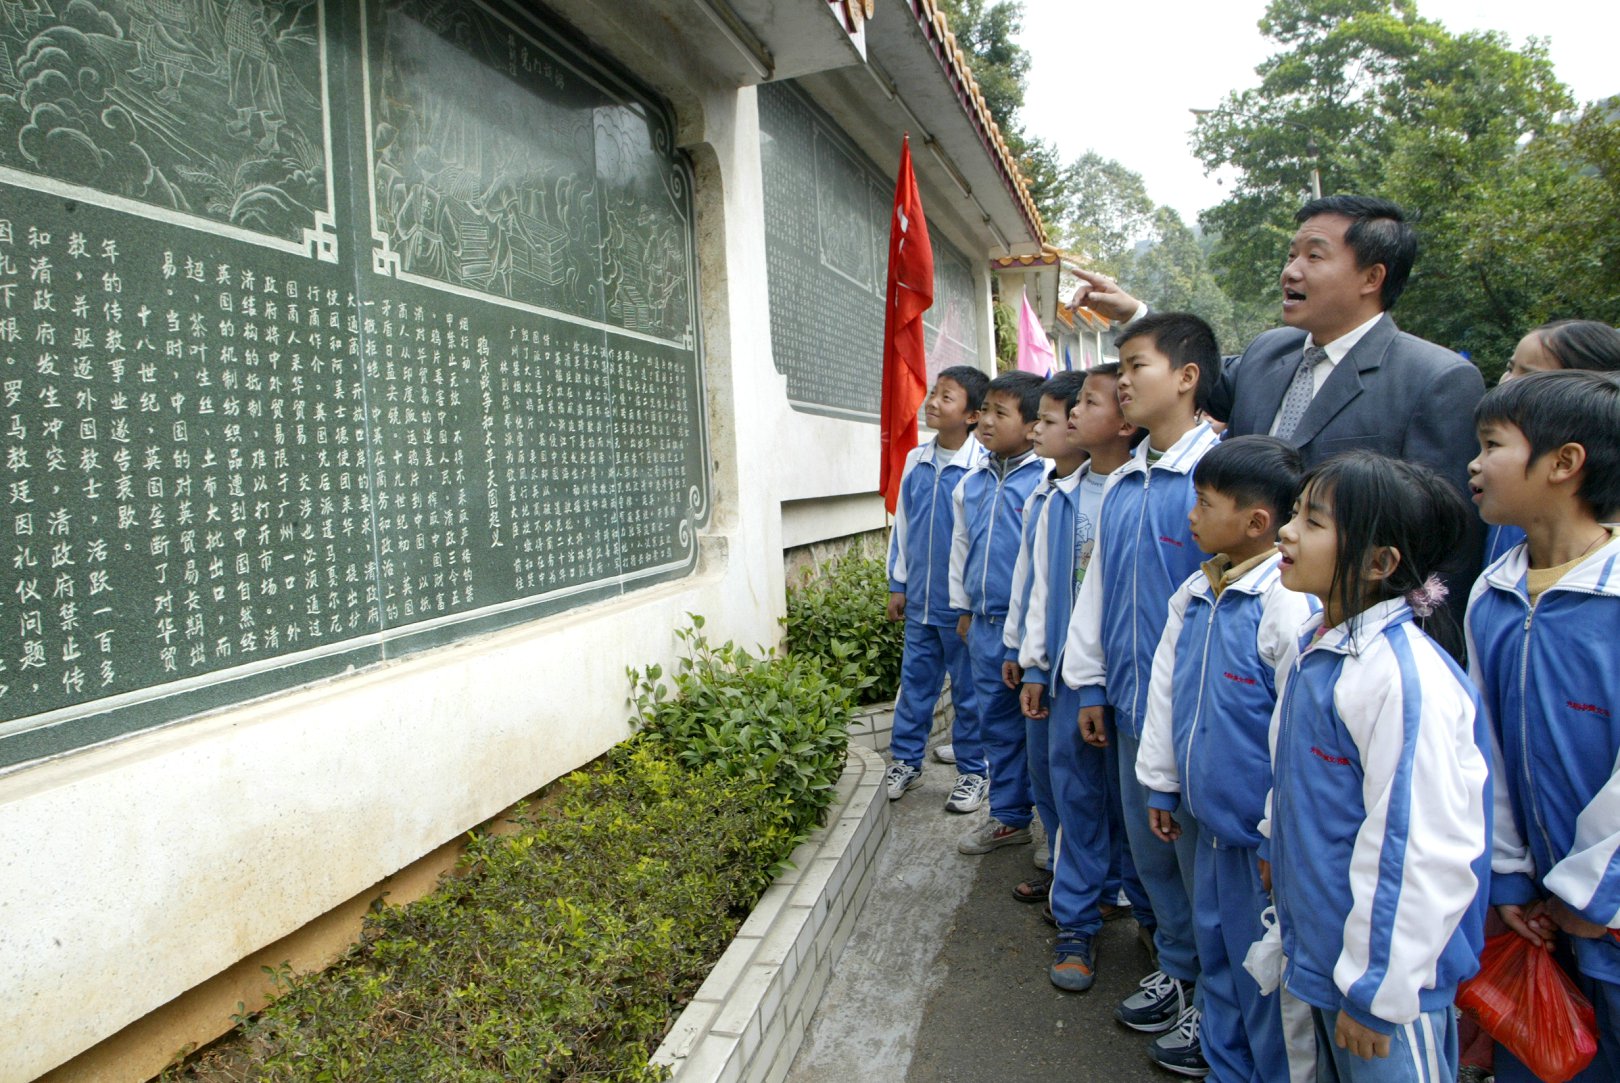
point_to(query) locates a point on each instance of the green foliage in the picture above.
(562, 952)
(1467, 132)
(837, 616)
(1106, 211)
(778, 720)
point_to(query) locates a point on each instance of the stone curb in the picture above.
(748, 1018)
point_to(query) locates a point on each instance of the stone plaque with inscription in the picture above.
(827, 213)
(328, 331)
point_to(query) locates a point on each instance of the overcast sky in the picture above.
(1127, 94)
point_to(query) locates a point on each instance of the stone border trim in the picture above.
(748, 1018)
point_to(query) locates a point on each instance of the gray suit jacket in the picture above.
(1393, 392)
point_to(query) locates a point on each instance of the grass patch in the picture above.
(565, 951)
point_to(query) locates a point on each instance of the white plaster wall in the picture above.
(132, 872)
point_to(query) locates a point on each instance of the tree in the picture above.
(1105, 211)
(986, 31)
(1461, 129)
(1172, 272)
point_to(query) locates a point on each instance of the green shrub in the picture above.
(564, 952)
(844, 605)
(782, 720)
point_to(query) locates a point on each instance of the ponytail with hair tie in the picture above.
(1427, 596)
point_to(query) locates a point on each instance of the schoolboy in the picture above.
(1205, 743)
(1541, 641)
(1168, 364)
(1063, 546)
(987, 512)
(919, 584)
(1052, 438)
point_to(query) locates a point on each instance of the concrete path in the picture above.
(944, 978)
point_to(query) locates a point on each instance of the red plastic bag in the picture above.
(1523, 999)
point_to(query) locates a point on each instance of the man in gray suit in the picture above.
(1341, 375)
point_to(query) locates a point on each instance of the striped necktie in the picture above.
(1300, 391)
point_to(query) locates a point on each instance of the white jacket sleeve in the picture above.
(1083, 663)
(1012, 632)
(1588, 877)
(1423, 781)
(1156, 766)
(1282, 613)
(959, 547)
(1032, 649)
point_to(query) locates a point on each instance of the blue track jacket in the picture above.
(920, 544)
(1550, 680)
(987, 517)
(1206, 738)
(1022, 578)
(1051, 590)
(1380, 820)
(1144, 551)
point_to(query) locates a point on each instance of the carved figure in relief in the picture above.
(254, 77)
(165, 44)
(197, 107)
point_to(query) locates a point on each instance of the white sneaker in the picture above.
(901, 777)
(945, 753)
(968, 793)
(991, 835)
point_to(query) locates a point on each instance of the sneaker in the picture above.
(991, 835)
(1179, 1050)
(969, 793)
(945, 753)
(1157, 1003)
(901, 777)
(1071, 968)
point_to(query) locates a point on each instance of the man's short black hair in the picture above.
(1378, 233)
(1065, 387)
(1254, 470)
(1026, 387)
(1581, 344)
(969, 379)
(1185, 340)
(1573, 406)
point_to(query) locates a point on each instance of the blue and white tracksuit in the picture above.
(1077, 771)
(1205, 744)
(1040, 777)
(1498, 540)
(1550, 680)
(1145, 550)
(1378, 836)
(988, 521)
(920, 567)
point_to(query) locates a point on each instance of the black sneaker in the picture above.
(1157, 1003)
(1179, 1050)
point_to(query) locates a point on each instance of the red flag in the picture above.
(910, 293)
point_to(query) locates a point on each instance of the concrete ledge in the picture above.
(749, 1016)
